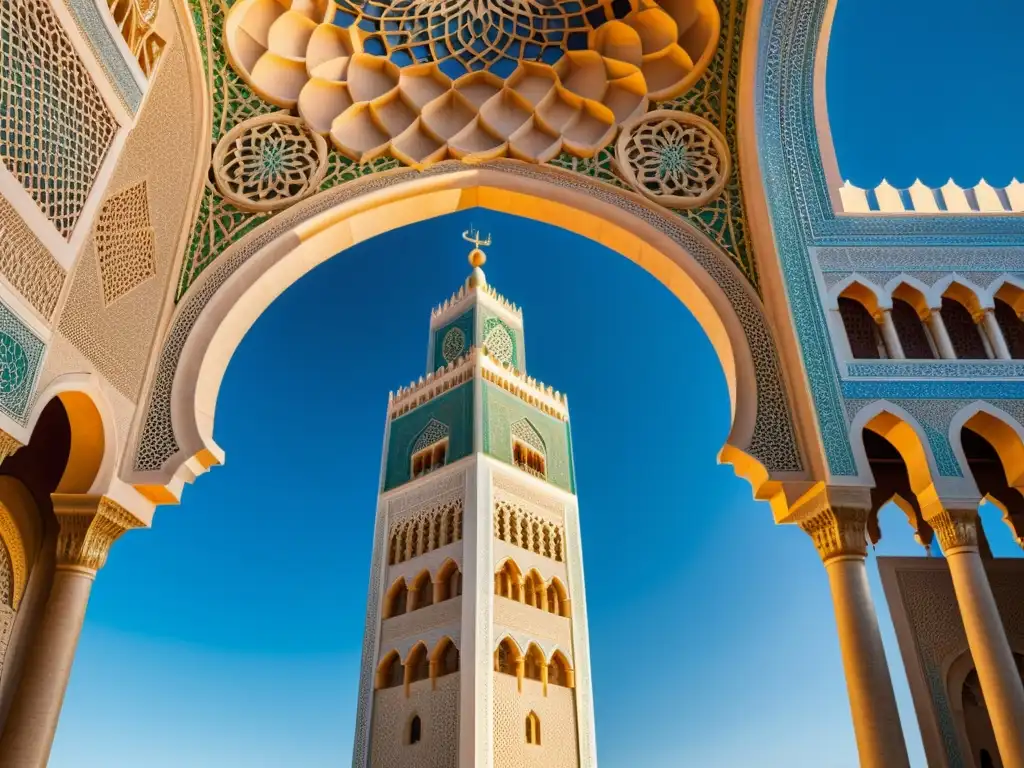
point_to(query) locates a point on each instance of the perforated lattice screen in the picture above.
(55, 128)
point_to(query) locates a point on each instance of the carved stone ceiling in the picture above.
(307, 95)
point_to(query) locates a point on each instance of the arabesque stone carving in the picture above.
(431, 79)
(674, 158)
(269, 162)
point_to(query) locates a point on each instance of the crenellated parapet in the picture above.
(528, 389)
(456, 299)
(919, 198)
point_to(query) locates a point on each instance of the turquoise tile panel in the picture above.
(502, 409)
(453, 409)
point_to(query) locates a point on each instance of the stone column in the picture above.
(840, 536)
(990, 328)
(941, 335)
(957, 530)
(88, 526)
(892, 340)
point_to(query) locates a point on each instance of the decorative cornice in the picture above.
(838, 532)
(88, 526)
(957, 529)
(8, 445)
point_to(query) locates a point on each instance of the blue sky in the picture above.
(230, 634)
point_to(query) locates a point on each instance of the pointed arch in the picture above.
(445, 657)
(999, 428)
(417, 664)
(534, 663)
(960, 289)
(560, 671)
(911, 290)
(423, 586)
(390, 672)
(989, 444)
(429, 450)
(508, 580)
(534, 591)
(507, 656)
(533, 729)
(448, 581)
(396, 599)
(1009, 289)
(906, 435)
(558, 598)
(862, 290)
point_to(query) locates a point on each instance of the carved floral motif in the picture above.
(467, 79)
(269, 162)
(674, 158)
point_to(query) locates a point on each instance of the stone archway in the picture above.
(176, 437)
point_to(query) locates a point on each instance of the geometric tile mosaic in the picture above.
(125, 243)
(27, 264)
(21, 353)
(55, 129)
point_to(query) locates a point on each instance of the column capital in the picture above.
(979, 316)
(879, 315)
(8, 445)
(957, 529)
(838, 532)
(88, 526)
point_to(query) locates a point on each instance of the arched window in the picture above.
(430, 450)
(558, 600)
(528, 450)
(533, 663)
(397, 599)
(393, 549)
(415, 730)
(964, 334)
(449, 581)
(418, 664)
(1012, 327)
(559, 671)
(533, 729)
(536, 595)
(506, 581)
(424, 591)
(390, 673)
(911, 330)
(505, 657)
(448, 659)
(861, 330)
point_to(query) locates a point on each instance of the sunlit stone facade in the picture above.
(476, 649)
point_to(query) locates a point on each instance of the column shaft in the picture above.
(88, 526)
(993, 659)
(995, 335)
(892, 339)
(941, 335)
(840, 536)
(32, 723)
(876, 720)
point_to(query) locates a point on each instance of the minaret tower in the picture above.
(476, 652)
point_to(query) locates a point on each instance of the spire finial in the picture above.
(477, 258)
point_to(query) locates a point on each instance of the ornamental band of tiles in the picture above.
(168, 167)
